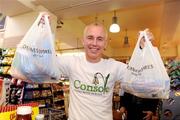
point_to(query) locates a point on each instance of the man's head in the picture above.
(94, 41)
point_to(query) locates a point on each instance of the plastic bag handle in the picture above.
(147, 43)
(141, 35)
(42, 19)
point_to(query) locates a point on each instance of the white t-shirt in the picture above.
(91, 86)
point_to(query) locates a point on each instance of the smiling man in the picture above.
(91, 77)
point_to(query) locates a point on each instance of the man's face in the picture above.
(94, 43)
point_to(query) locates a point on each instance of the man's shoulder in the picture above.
(113, 61)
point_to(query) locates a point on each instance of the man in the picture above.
(91, 77)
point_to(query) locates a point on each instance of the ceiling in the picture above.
(162, 17)
(70, 8)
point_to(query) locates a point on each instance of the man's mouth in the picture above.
(94, 50)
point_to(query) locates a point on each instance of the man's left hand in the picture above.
(149, 36)
(148, 116)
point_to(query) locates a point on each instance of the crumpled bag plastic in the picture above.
(146, 76)
(35, 58)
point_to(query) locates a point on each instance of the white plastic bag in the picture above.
(35, 58)
(146, 75)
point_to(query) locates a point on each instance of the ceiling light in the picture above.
(114, 28)
(126, 39)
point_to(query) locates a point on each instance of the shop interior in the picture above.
(68, 19)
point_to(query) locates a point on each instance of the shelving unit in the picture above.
(41, 93)
(49, 96)
(6, 57)
(173, 67)
(15, 92)
(38, 92)
(58, 100)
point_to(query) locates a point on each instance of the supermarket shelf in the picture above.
(37, 89)
(39, 98)
(57, 100)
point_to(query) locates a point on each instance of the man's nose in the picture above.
(94, 42)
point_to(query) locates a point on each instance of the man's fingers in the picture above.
(149, 34)
(148, 115)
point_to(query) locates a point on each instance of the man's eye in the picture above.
(100, 39)
(90, 38)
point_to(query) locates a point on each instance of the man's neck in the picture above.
(91, 60)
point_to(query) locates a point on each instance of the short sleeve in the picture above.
(121, 68)
(64, 64)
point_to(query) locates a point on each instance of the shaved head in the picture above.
(96, 24)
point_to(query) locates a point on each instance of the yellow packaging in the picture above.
(9, 112)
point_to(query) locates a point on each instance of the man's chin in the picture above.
(94, 56)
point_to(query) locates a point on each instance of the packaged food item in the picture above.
(5, 69)
(1, 88)
(8, 52)
(40, 117)
(7, 60)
